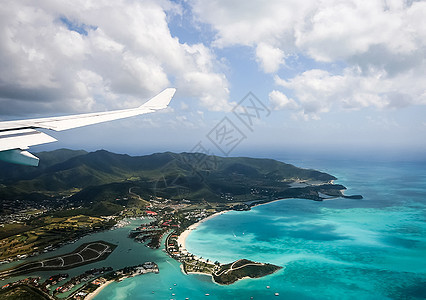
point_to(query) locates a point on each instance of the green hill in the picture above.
(242, 268)
(13, 172)
(87, 178)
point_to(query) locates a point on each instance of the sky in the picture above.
(258, 78)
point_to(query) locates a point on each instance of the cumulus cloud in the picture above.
(86, 55)
(279, 101)
(372, 53)
(326, 30)
(318, 91)
(341, 29)
(270, 58)
(240, 22)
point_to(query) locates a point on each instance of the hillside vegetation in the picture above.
(88, 178)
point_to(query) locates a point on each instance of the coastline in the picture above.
(291, 198)
(181, 242)
(184, 235)
(197, 273)
(98, 290)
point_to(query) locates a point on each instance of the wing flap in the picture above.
(20, 157)
(23, 139)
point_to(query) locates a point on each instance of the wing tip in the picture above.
(161, 100)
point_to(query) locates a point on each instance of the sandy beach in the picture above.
(97, 291)
(181, 239)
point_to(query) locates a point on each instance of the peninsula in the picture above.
(242, 268)
(223, 274)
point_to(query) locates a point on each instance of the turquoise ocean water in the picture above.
(373, 248)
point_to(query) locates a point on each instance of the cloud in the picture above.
(326, 30)
(348, 54)
(342, 29)
(269, 58)
(248, 23)
(279, 101)
(80, 56)
(319, 91)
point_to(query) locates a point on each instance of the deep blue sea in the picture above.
(374, 248)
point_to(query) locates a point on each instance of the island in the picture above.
(226, 274)
(73, 193)
(223, 274)
(240, 269)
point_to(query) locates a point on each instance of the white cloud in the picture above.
(279, 101)
(380, 45)
(318, 91)
(83, 55)
(326, 30)
(211, 88)
(241, 22)
(270, 58)
(341, 29)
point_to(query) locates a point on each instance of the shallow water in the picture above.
(372, 248)
(338, 249)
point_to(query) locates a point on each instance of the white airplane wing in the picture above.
(17, 136)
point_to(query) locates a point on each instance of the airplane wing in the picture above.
(17, 136)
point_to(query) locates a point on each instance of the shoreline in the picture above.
(98, 290)
(197, 273)
(184, 235)
(292, 198)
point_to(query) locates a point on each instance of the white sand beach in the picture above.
(97, 291)
(181, 239)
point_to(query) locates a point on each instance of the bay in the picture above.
(372, 248)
